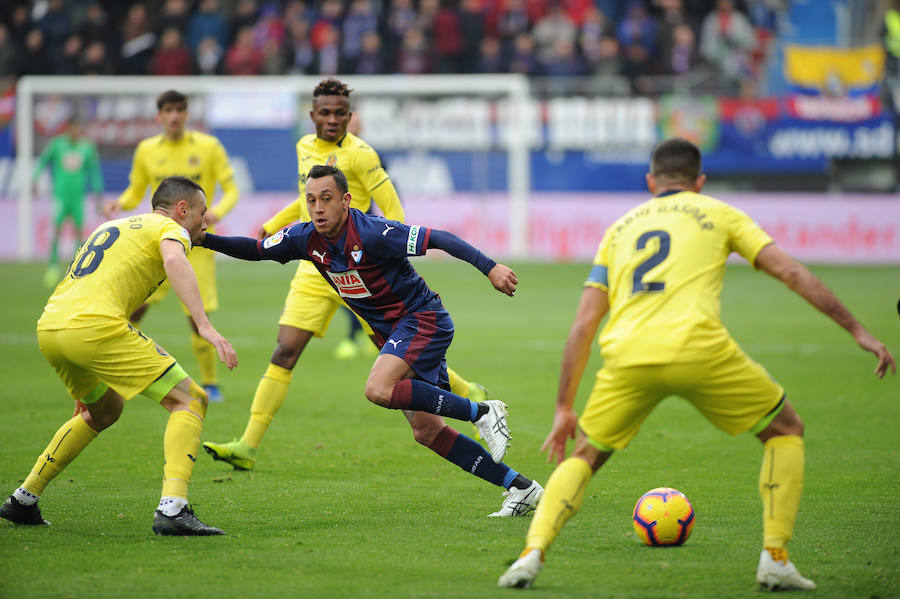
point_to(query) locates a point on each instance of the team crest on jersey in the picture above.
(194, 160)
(349, 284)
(356, 254)
(332, 160)
(273, 240)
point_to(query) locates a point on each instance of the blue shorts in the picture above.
(421, 340)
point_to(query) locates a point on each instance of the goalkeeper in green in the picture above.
(72, 159)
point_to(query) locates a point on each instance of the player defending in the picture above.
(85, 335)
(658, 272)
(72, 159)
(201, 158)
(311, 302)
(364, 258)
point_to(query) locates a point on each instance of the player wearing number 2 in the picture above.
(658, 272)
(102, 360)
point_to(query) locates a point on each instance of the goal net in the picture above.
(455, 146)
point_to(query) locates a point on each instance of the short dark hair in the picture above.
(331, 87)
(173, 189)
(324, 170)
(677, 159)
(171, 97)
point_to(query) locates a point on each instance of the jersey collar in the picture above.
(669, 192)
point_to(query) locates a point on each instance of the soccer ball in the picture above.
(663, 517)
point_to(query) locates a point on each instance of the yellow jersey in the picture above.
(112, 274)
(367, 180)
(663, 263)
(197, 156)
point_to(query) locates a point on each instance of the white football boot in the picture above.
(519, 502)
(780, 576)
(493, 429)
(523, 571)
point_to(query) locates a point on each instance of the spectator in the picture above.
(95, 27)
(172, 57)
(35, 60)
(512, 20)
(174, 14)
(371, 57)
(273, 58)
(19, 25)
(244, 15)
(138, 41)
(96, 61)
(447, 39)
(326, 23)
(522, 59)
(9, 53)
(54, 24)
(564, 60)
(602, 56)
(428, 10)
(268, 28)
(69, 61)
(208, 22)
(328, 55)
(242, 57)
(401, 18)
(209, 56)
(301, 55)
(637, 40)
(490, 59)
(413, 57)
(360, 20)
(472, 23)
(577, 10)
(553, 27)
(726, 41)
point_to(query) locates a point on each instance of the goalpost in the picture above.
(511, 89)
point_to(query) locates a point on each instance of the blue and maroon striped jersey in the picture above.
(366, 264)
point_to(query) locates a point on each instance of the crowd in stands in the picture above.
(626, 38)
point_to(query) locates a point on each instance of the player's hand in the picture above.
(261, 234)
(564, 424)
(222, 345)
(211, 218)
(79, 408)
(110, 209)
(885, 359)
(503, 279)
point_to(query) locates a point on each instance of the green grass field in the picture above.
(344, 503)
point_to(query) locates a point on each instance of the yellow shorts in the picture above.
(311, 302)
(113, 353)
(204, 264)
(732, 391)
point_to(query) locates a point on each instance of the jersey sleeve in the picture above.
(174, 231)
(399, 240)
(287, 244)
(377, 182)
(225, 176)
(138, 180)
(745, 236)
(44, 158)
(599, 275)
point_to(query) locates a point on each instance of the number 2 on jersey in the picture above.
(92, 252)
(638, 284)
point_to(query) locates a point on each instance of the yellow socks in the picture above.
(780, 487)
(206, 359)
(65, 446)
(180, 444)
(458, 384)
(270, 394)
(562, 498)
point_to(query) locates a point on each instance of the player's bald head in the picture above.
(174, 189)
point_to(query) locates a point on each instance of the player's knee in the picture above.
(286, 355)
(378, 393)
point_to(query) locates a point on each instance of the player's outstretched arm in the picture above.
(184, 283)
(776, 262)
(502, 277)
(592, 308)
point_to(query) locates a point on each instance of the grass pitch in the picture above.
(344, 503)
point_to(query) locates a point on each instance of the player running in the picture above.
(201, 158)
(364, 259)
(311, 302)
